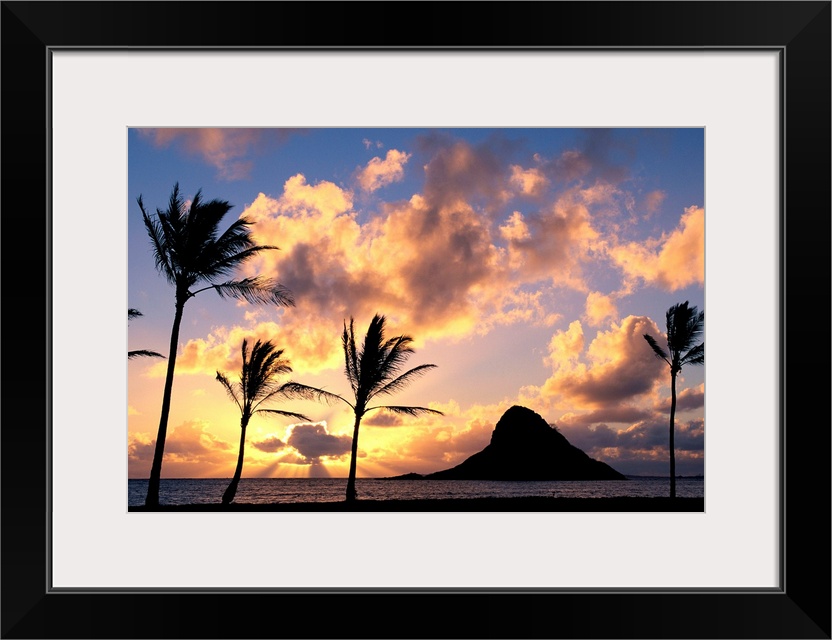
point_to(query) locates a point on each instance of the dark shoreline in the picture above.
(481, 505)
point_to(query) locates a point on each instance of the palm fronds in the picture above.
(410, 411)
(257, 290)
(140, 353)
(306, 392)
(143, 353)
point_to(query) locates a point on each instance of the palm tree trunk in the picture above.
(152, 499)
(229, 494)
(351, 492)
(672, 446)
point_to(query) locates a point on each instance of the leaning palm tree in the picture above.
(257, 385)
(140, 353)
(373, 371)
(684, 327)
(189, 249)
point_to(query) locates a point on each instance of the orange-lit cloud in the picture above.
(621, 365)
(191, 450)
(433, 264)
(552, 243)
(599, 309)
(675, 261)
(226, 149)
(379, 173)
(308, 343)
(529, 182)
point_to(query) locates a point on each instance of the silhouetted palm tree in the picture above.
(257, 385)
(189, 249)
(684, 327)
(140, 353)
(373, 371)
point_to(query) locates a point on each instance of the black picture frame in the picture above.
(799, 31)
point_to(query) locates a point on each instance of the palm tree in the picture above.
(373, 371)
(257, 385)
(684, 327)
(140, 353)
(189, 249)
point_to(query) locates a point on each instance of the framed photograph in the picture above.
(631, 133)
(454, 254)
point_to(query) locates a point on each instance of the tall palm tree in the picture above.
(140, 353)
(257, 385)
(189, 249)
(373, 371)
(684, 327)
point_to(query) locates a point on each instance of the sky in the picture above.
(526, 264)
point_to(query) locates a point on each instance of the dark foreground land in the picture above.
(483, 505)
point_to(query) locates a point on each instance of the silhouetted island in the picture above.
(525, 447)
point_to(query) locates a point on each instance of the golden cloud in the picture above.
(672, 262)
(309, 344)
(618, 366)
(379, 173)
(599, 309)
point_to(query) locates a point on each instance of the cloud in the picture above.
(599, 309)
(652, 202)
(599, 154)
(270, 444)
(569, 166)
(192, 440)
(672, 262)
(383, 419)
(309, 343)
(226, 149)
(191, 450)
(688, 399)
(440, 264)
(641, 446)
(435, 269)
(565, 347)
(313, 441)
(529, 182)
(624, 414)
(619, 366)
(609, 152)
(552, 243)
(461, 172)
(379, 173)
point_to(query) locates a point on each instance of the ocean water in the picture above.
(270, 490)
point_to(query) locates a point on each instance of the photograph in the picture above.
(416, 319)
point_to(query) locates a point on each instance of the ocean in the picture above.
(271, 490)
